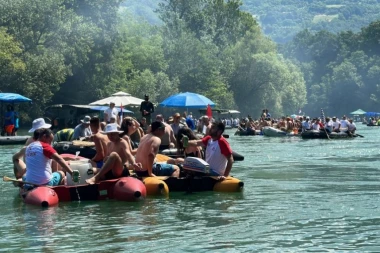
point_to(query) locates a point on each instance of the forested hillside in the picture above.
(282, 19)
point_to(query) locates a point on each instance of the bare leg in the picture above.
(113, 163)
(176, 171)
(19, 167)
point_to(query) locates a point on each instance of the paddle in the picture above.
(8, 179)
(226, 136)
(327, 133)
(360, 135)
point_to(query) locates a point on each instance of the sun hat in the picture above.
(111, 128)
(86, 120)
(157, 125)
(39, 123)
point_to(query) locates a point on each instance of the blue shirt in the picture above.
(190, 123)
(11, 120)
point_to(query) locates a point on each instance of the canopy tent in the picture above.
(358, 112)
(187, 100)
(13, 98)
(119, 98)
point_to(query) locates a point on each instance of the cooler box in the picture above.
(85, 171)
(196, 164)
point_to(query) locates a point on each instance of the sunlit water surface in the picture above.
(299, 196)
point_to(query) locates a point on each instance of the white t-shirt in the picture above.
(111, 111)
(38, 162)
(217, 153)
(343, 123)
(329, 126)
(336, 125)
(316, 126)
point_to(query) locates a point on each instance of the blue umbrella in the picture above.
(13, 98)
(187, 100)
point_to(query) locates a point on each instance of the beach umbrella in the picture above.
(187, 100)
(118, 98)
(13, 98)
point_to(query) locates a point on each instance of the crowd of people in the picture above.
(125, 145)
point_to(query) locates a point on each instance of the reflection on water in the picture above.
(299, 196)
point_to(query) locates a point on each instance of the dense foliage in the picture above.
(77, 51)
(341, 70)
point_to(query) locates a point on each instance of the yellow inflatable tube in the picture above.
(230, 184)
(156, 186)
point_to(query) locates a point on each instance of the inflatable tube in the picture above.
(155, 186)
(129, 189)
(203, 183)
(313, 134)
(230, 184)
(87, 151)
(40, 196)
(274, 132)
(13, 140)
(241, 132)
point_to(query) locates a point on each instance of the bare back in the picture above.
(147, 151)
(100, 141)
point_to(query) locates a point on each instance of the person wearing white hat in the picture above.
(83, 129)
(38, 157)
(117, 158)
(111, 111)
(18, 169)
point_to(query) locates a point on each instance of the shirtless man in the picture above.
(168, 139)
(118, 154)
(100, 141)
(206, 123)
(289, 125)
(145, 165)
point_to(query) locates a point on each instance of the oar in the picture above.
(327, 133)
(360, 135)
(226, 136)
(8, 179)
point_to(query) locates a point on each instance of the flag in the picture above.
(209, 111)
(299, 111)
(323, 119)
(121, 114)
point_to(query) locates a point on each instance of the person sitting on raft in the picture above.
(38, 157)
(145, 165)
(118, 156)
(39, 123)
(218, 151)
(100, 140)
(130, 126)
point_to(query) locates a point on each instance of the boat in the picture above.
(274, 132)
(123, 189)
(13, 140)
(172, 152)
(86, 148)
(243, 132)
(315, 134)
(194, 178)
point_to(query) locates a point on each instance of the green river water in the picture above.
(299, 196)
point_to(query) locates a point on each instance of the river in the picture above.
(299, 196)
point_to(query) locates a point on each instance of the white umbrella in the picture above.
(119, 98)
